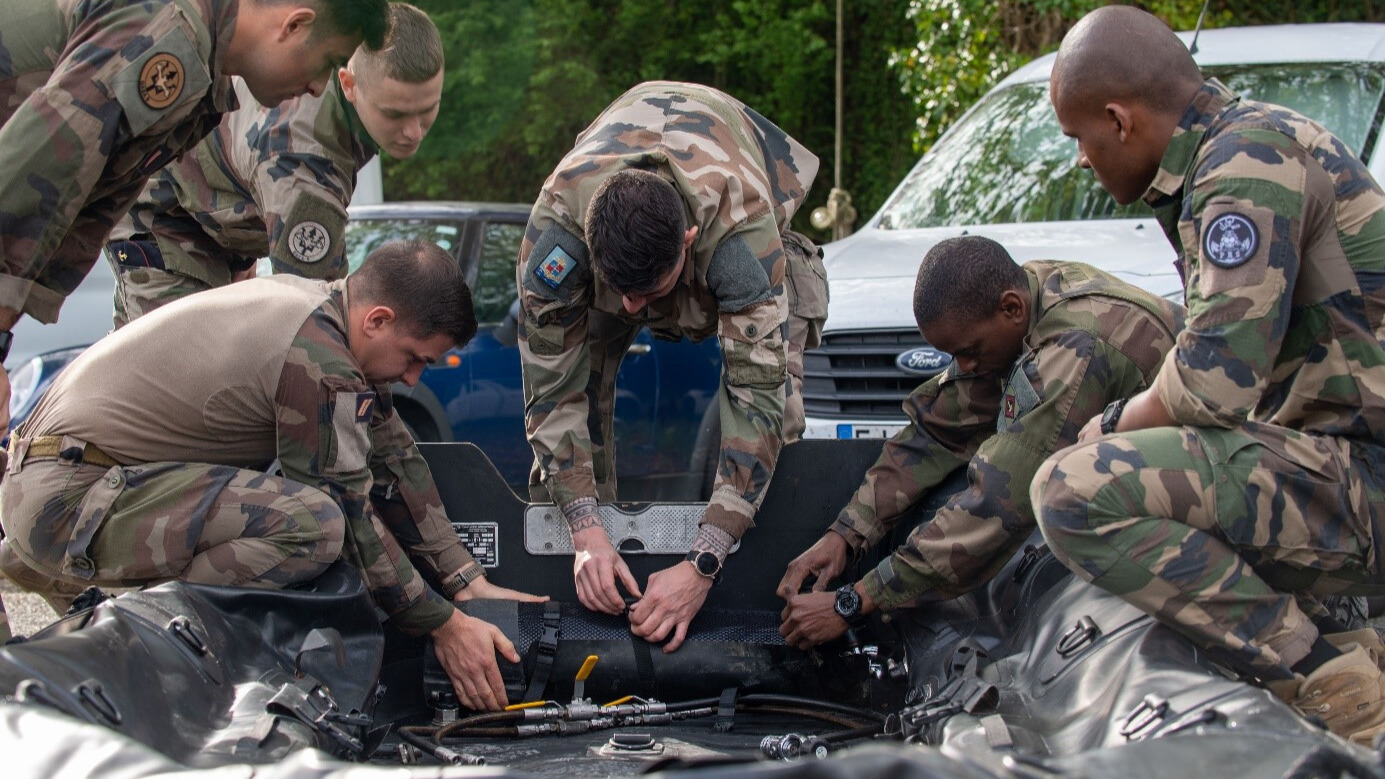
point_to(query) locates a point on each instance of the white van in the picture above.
(1006, 171)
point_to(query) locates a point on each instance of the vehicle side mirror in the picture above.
(507, 332)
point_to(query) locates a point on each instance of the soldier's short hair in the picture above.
(412, 52)
(964, 277)
(422, 283)
(370, 19)
(634, 230)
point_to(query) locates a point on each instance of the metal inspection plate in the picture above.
(662, 528)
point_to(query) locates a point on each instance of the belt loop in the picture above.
(19, 449)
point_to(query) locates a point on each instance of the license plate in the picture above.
(867, 431)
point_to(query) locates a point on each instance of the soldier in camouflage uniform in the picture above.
(1037, 350)
(276, 182)
(672, 212)
(1253, 469)
(94, 97)
(146, 459)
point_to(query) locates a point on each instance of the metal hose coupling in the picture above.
(793, 746)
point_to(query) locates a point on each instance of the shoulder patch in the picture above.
(365, 404)
(736, 277)
(1019, 398)
(555, 267)
(166, 76)
(1230, 240)
(161, 80)
(309, 242)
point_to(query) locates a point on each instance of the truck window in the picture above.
(495, 274)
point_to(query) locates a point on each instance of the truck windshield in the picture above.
(1007, 161)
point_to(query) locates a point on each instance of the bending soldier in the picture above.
(144, 462)
(1037, 349)
(1250, 473)
(672, 211)
(94, 97)
(276, 182)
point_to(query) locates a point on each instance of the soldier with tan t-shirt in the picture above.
(145, 462)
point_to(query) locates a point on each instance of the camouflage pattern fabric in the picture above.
(1274, 482)
(94, 97)
(267, 183)
(141, 282)
(346, 458)
(747, 278)
(1092, 339)
(85, 524)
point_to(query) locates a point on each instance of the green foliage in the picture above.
(524, 77)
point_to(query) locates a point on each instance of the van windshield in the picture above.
(1007, 161)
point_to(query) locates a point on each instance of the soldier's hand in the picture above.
(810, 619)
(826, 560)
(466, 648)
(1090, 431)
(483, 589)
(671, 600)
(596, 568)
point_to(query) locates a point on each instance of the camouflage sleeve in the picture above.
(324, 410)
(949, 417)
(1242, 257)
(554, 284)
(121, 73)
(406, 498)
(303, 199)
(747, 276)
(1051, 393)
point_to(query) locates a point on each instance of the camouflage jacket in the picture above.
(268, 182)
(742, 179)
(1092, 339)
(283, 384)
(1280, 234)
(94, 98)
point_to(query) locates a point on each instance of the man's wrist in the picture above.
(711, 538)
(460, 580)
(582, 514)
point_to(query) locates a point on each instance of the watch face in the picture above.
(848, 604)
(707, 564)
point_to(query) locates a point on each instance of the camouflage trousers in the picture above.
(609, 338)
(148, 277)
(69, 525)
(1223, 535)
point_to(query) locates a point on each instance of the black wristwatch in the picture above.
(707, 564)
(6, 338)
(1112, 416)
(460, 580)
(848, 605)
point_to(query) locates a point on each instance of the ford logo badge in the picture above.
(923, 361)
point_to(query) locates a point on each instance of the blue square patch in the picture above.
(555, 267)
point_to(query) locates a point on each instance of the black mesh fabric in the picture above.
(579, 624)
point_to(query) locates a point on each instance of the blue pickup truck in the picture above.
(667, 430)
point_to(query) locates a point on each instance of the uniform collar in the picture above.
(1207, 104)
(222, 18)
(353, 120)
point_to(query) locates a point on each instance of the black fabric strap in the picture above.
(546, 651)
(726, 710)
(644, 666)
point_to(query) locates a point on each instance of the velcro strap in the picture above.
(50, 446)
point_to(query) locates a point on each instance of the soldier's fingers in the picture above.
(628, 579)
(611, 601)
(820, 583)
(680, 633)
(497, 686)
(793, 579)
(504, 646)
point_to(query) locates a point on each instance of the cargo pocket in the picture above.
(752, 347)
(808, 292)
(90, 513)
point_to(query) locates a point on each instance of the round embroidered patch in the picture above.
(161, 81)
(1230, 240)
(309, 242)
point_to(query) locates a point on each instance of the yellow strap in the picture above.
(529, 705)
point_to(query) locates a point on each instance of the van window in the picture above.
(1007, 161)
(495, 277)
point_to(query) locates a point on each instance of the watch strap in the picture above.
(461, 580)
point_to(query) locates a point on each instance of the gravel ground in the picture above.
(27, 612)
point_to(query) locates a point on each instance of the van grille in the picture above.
(853, 374)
